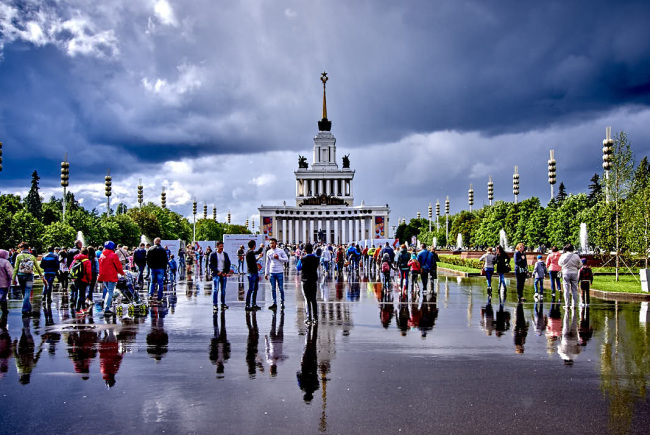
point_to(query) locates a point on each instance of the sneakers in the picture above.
(536, 297)
(282, 305)
(80, 313)
(273, 307)
(215, 308)
(256, 307)
(108, 313)
(224, 306)
(247, 308)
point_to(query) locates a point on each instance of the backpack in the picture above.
(26, 265)
(385, 267)
(78, 270)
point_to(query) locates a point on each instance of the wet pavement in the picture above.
(377, 362)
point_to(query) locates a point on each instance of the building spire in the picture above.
(324, 124)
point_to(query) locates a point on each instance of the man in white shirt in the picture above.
(274, 266)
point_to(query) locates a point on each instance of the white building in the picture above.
(324, 200)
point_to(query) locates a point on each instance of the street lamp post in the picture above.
(163, 198)
(228, 217)
(608, 150)
(490, 190)
(447, 219)
(205, 210)
(552, 171)
(140, 192)
(65, 177)
(194, 214)
(430, 216)
(515, 184)
(470, 197)
(107, 191)
(214, 212)
(437, 213)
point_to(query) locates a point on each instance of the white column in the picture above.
(284, 231)
(311, 231)
(304, 231)
(336, 230)
(351, 230)
(296, 223)
(328, 238)
(320, 187)
(290, 230)
(327, 187)
(363, 228)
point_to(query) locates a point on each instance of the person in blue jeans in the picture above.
(253, 275)
(50, 266)
(220, 268)
(157, 262)
(274, 266)
(172, 270)
(24, 269)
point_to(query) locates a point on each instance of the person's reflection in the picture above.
(554, 329)
(173, 299)
(569, 347)
(429, 312)
(273, 344)
(386, 308)
(403, 313)
(585, 331)
(219, 344)
(110, 357)
(539, 318)
(354, 290)
(521, 328)
(487, 317)
(252, 359)
(81, 347)
(416, 314)
(5, 347)
(157, 339)
(502, 323)
(24, 356)
(308, 374)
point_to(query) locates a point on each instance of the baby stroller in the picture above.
(129, 294)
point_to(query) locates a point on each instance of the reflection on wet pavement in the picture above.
(168, 368)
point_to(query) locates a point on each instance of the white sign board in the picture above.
(232, 242)
(645, 274)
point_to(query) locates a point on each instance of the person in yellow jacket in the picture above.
(23, 275)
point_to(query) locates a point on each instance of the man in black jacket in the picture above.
(220, 268)
(140, 260)
(253, 274)
(157, 262)
(309, 279)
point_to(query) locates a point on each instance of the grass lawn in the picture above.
(626, 283)
(458, 268)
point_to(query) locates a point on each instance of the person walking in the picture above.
(274, 266)
(539, 273)
(6, 274)
(23, 274)
(50, 266)
(82, 280)
(252, 256)
(586, 278)
(140, 260)
(240, 260)
(403, 266)
(157, 262)
(308, 264)
(554, 269)
(571, 264)
(502, 265)
(521, 270)
(109, 268)
(425, 257)
(220, 268)
(489, 260)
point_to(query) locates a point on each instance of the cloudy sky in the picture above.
(216, 99)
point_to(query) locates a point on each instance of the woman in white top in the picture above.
(489, 258)
(571, 264)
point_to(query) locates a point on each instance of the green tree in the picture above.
(58, 234)
(147, 222)
(121, 229)
(636, 222)
(52, 211)
(595, 189)
(33, 200)
(525, 210)
(9, 206)
(465, 224)
(487, 233)
(208, 229)
(88, 223)
(26, 228)
(536, 227)
(561, 193)
(563, 226)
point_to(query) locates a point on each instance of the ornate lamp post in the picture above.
(470, 197)
(246, 223)
(214, 213)
(430, 216)
(490, 190)
(0, 156)
(163, 198)
(515, 184)
(437, 213)
(419, 215)
(228, 217)
(140, 192)
(608, 150)
(194, 214)
(107, 191)
(205, 210)
(447, 219)
(65, 177)
(552, 173)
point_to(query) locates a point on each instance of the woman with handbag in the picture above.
(521, 270)
(503, 265)
(488, 268)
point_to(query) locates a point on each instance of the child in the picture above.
(385, 269)
(172, 270)
(539, 273)
(415, 271)
(585, 278)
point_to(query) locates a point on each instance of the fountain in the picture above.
(503, 240)
(435, 242)
(144, 239)
(584, 247)
(80, 236)
(459, 241)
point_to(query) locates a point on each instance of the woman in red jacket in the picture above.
(82, 282)
(109, 268)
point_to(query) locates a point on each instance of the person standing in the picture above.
(489, 258)
(240, 260)
(109, 268)
(570, 263)
(521, 270)
(554, 269)
(6, 273)
(63, 270)
(503, 266)
(140, 260)
(50, 266)
(157, 262)
(82, 281)
(274, 266)
(220, 267)
(539, 273)
(403, 267)
(586, 278)
(309, 277)
(253, 274)
(23, 273)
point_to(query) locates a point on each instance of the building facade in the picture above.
(324, 207)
